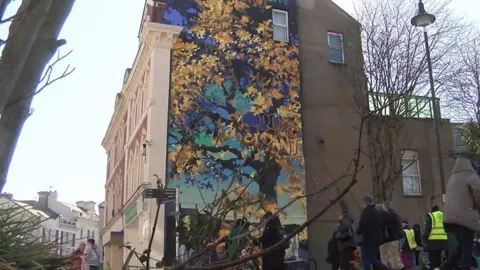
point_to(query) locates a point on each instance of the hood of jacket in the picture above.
(462, 186)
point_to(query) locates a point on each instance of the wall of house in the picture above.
(330, 114)
(419, 136)
(238, 90)
(330, 96)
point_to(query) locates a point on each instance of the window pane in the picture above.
(335, 40)
(410, 167)
(279, 18)
(335, 55)
(411, 185)
(280, 33)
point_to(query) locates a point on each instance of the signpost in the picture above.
(168, 197)
(162, 195)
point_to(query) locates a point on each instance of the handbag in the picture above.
(344, 235)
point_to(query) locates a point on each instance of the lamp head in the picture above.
(422, 19)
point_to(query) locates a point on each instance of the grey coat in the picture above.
(346, 225)
(463, 196)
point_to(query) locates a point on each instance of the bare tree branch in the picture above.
(48, 76)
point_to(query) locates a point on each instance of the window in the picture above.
(280, 25)
(335, 45)
(88, 234)
(411, 173)
(81, 234)
(73, 240)
(93, 234)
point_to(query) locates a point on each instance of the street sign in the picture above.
(162, 195)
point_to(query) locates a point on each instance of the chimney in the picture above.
(80, 204)
(43, 198)
(90, 207)
(53, 195)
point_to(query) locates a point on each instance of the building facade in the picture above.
(223, 93)
(65, 224)
(330, 96)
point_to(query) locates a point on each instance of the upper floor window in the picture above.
(280, 25)
(335, 45)
(412, 184)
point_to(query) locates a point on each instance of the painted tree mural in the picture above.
(235, 92)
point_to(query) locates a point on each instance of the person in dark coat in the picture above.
(389, 249)
(333, 256)
(434, 247)
(346, 240)
(369, 231)
(394, 224)
(272, 234)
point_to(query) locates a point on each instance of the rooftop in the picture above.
(35, 208)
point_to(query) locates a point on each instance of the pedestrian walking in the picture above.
(333, 255)
(435, 238)
(391, 236)
(90, 255)
(409, 247)
(369, 233)
(461, 217)
(346, 241)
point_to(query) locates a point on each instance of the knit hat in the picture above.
(368, 200)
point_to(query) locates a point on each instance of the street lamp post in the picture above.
(424, 19)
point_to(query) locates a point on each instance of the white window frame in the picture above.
(331, 46)
(280, 25)
(412, 156)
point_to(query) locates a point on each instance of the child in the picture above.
(409, 247)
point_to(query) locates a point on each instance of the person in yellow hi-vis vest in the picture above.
(435, 238)
(409, 247)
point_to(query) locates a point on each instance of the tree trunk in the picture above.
(21, 36)
(14, 116)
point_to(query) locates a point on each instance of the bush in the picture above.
(21, 245)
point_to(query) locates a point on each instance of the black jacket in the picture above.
(385, 216)
(432, 245)
(418, 234)
(272, 235)
(394, 226)
(370, 227)
(333, 256)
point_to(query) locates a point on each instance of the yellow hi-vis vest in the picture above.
(437, 233)
(410, 234)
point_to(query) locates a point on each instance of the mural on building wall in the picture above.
(234, 122)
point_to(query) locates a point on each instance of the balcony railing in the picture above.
(68, 222)
(401, 105)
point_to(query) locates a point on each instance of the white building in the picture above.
(136, 142)
(66, 224)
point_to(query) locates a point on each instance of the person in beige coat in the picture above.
(461, 211)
